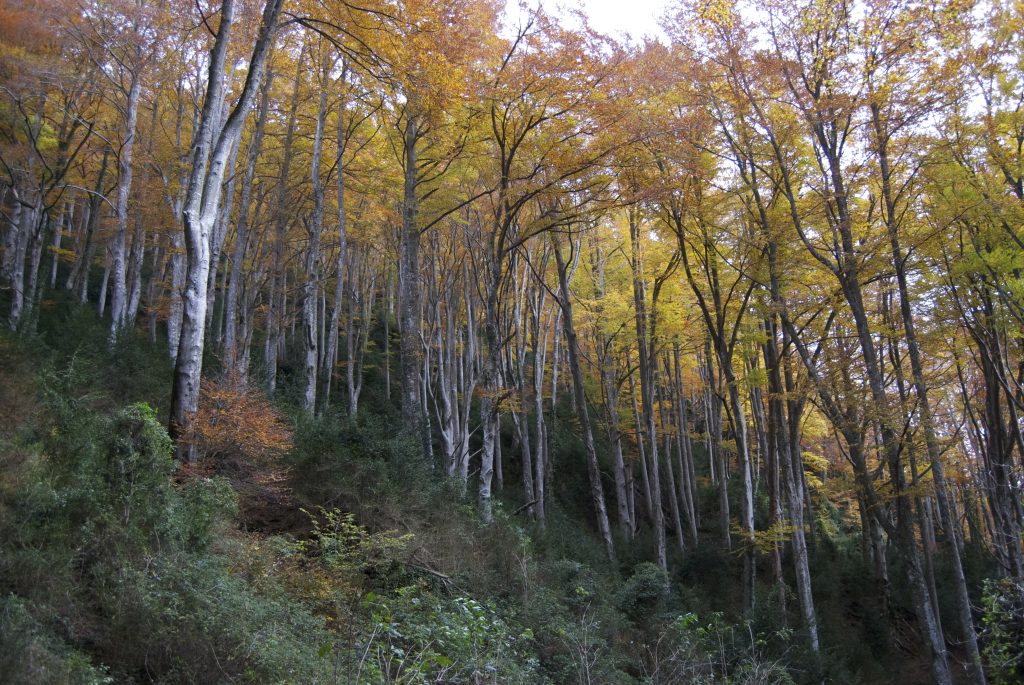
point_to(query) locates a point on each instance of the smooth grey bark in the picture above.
(645, 481)
(277, 305)
(209, 164)
(610, 397)
(410, 348)
(645, 345)
(338, 302)
(673, 497)
(790, 467)
(119, 298)
(539, 335)
(949, 522)
(219, 235)
(241, 246)
(583, 412)
(314, 228)
(521, 418)
(58, 236)
(688, 478)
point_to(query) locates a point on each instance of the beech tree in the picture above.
(210, 148)
(759, 283)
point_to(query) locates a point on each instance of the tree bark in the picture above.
(583, 411)
(209, 164)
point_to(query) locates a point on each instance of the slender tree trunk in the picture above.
(231, 298)
(311, 288)
(790, 468)
(119, 300)
(277, 305)
(949, 523)
(583, 412)
(410, 349)
(337, 304)
(209, 164)
(644, 345)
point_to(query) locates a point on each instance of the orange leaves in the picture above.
(236, 420)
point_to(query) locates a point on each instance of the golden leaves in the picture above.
(235, 419)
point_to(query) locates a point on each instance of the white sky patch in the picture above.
(636, 19)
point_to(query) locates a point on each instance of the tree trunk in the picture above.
(119, 301)
(310, 289)
(583, 412)
(410, 349)
(209, 164)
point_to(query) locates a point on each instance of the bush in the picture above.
(702, 651)
(237, 420)
(420, 637)
(643, 595)
(1003, 630)
(33, 654)
(103, 545)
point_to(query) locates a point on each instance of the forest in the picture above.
(429, 341)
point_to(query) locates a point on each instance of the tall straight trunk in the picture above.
(209, 164)
(583, 411)
(641, 442)
(747, 502)
(768, 455)
(610, 391)
(231, 298)
(949, 522)
(386, 314)
(33, 291)
(673, 495)
(674, 450)
(136, 259)
(80, 271)
(29, 226)
(277, 305)
(688, 481)
(310, 288)
(58, 235)
(521, 418)
(713, 431)
(644, 345)
(611, 408)
(23, 232)
(219, 235)
(539, 340)
(119, 300)
(176, 308)
(492, 384)
(338, 303)
(790, 467)
(137, 254)
(410, 350)
(101, 303)
(12, 233)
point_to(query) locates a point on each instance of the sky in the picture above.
(638, 18)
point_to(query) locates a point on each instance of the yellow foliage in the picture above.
(236, 419)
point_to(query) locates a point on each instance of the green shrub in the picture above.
(187, 618)
(692, 650)
(420, 637)
(642, 597)
(32, 653)
(1003, 630)
(104, 543)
